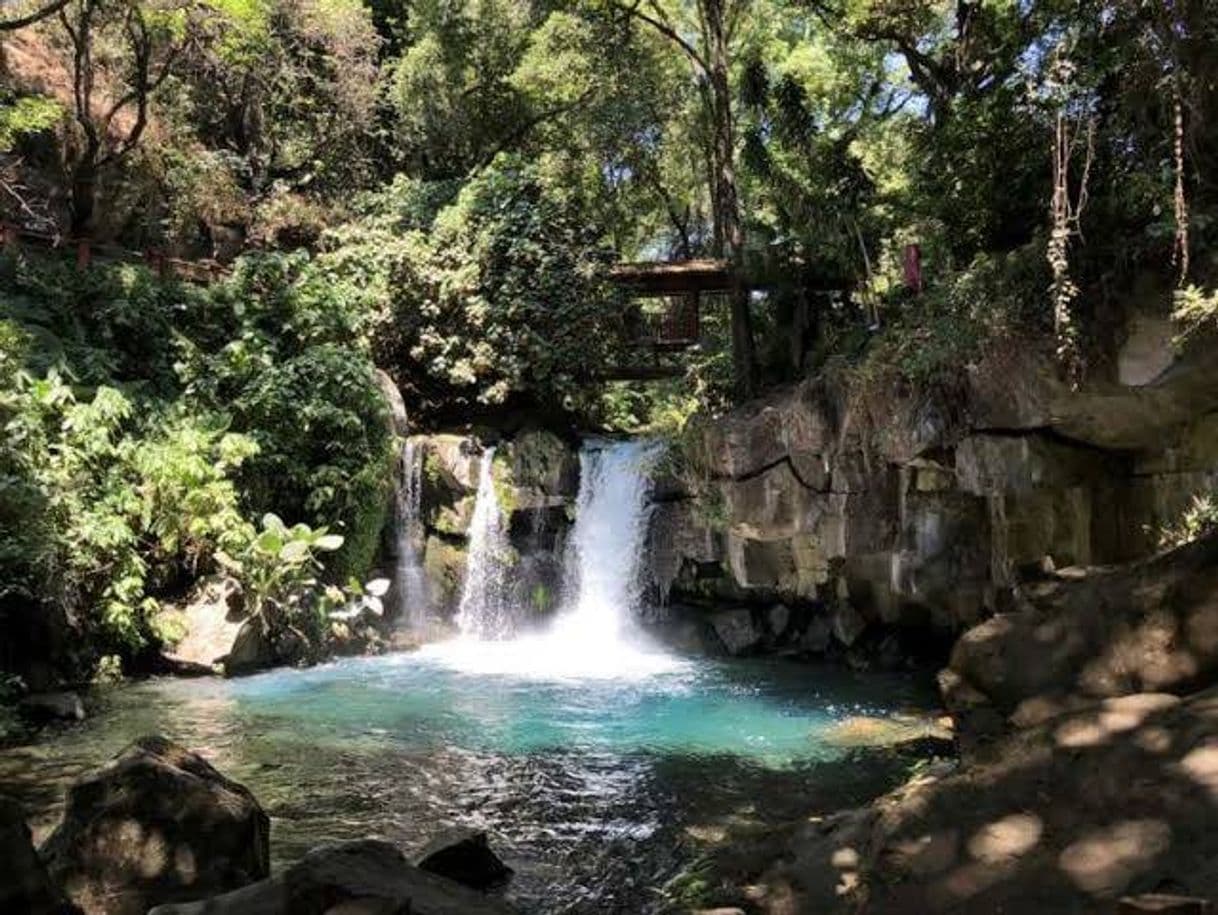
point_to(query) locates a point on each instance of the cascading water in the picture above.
(484, 611)
(594, 634)
(603, 559)
(413, 594)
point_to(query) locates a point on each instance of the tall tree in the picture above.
(110, 119)
(703, 31)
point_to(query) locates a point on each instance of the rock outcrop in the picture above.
(1117, 798)
(25, 886)
(364, 877)
(464, 855)
(156, 824)
(536, 476)
(925, 510)
(1082, 635)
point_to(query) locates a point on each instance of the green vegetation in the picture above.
(439, 189)
(145, 423)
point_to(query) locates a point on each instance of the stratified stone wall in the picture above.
(921, 514)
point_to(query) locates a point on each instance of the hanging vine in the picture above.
(1179, 254)
(1065, 212)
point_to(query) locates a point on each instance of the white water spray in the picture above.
(414, 602)
(484, 611)
(595, 634)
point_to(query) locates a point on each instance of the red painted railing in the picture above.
(86, 253)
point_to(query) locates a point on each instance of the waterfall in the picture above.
(414, 601)
(595, 634)
(484, 612)
(604, 557)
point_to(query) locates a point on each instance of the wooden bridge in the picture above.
(658, 336)
(655, 337)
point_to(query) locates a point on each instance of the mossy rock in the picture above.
(444, 564)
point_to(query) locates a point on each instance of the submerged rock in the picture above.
(65, 706)
(25, 886)
(156, 824)
(736, 630)
(465, 856)
(363, 877)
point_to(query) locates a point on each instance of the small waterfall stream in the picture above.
(484, 610)
(414, 601)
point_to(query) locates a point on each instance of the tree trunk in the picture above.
(729, 235)
(84, 196)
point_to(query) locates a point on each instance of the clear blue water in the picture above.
(592, 788)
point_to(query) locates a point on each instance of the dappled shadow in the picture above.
(1062, 818)
(1147, 627)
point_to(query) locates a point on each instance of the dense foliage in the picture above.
(440, 185)
(146, 423)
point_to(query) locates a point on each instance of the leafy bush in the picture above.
(103, 504)
(506, 299)
(1198, 519)
(144, 422)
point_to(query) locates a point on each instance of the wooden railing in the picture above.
(87, 252)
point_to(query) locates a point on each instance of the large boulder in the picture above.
(252, 650)
(25, 886)
(156, 824)
(364, 877)
(464, 855)
(736, 630)
(1068, 817)
(1097, 633)
(211, 620)
(63, 706)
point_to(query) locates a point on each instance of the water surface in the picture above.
(590, 787)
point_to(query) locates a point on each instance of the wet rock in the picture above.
(156, 824)
(736, 630)
(779, 618)
(62, 706)
(444, 564)
(252, 651)
(364, 877)
(817, 636)
(25, 886)
(464, 855)
(889, 655)
(453, 462)
(848, 624)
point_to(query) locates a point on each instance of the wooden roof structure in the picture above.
(673, 277)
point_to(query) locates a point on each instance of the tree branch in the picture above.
(10, 25)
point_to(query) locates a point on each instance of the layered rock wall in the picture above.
(925, 509)
(536, 477)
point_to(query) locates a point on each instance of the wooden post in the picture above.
(913, 267)
(84, 254)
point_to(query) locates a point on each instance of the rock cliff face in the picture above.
(536, 476)
(929, 510)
